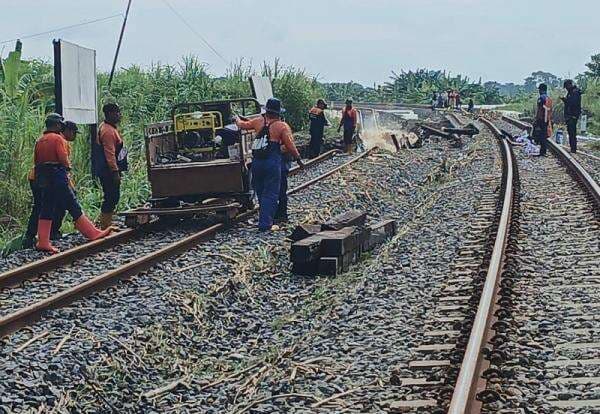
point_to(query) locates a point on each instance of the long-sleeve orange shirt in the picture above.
(44, 149)
(52, 147)
(279, 131)
(109, 138)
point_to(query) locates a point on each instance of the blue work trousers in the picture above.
(282, 205)
(266, 177)
(57, 194)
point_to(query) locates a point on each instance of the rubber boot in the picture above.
(43, 242)
(106, 220)
(89, 231)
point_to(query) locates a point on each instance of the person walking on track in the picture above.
(572, 111)
(542, 127)
(348, 121)
(271, 134)
(110, 162)
(52, 166)
(318, 122)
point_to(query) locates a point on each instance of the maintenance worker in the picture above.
(271, 134)
(111, 161)
(318, 122)
(572, 111)
(69, 132)
(471, 107)
(542, 127)
(440, 102)
(348, 121)
(52, 166)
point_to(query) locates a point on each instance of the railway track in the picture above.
(64, 278)
(514, 329)
(546, 347)
(443, 371)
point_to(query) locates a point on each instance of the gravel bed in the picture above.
(84, 269)
(22, 257)
(553, 271)
(591, 165)
(219, 324)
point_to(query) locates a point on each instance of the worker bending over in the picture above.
(111, 161)
(542, 127)
(271, 134)
(348, 121)
(52, 166)
(318, 122)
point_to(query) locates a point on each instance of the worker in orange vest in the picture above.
(52, 166)
(348, 121)
(318, 122)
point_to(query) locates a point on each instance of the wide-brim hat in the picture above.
(321, 101)
(273, 106)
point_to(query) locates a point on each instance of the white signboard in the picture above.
(78, 83)
(261, 88)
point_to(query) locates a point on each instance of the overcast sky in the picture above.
(338, 40)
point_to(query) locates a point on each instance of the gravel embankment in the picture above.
(231, 326)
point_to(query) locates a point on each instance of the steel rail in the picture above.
(469, 381)
(567, 159)
(33, 269)
(25, 316)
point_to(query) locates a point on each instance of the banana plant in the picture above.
(10, 70)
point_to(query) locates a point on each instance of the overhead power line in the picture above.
(62, 28)
(176, 13)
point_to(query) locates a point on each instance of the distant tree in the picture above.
(418, 87)
(593, 66)
(532, 82)
(339, 91)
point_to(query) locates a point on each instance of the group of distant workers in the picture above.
(542, 126)
(446, 99)
(274, 150)
(52, 186)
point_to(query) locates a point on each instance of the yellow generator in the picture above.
(198, 161)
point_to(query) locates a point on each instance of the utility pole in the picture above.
(112, 71)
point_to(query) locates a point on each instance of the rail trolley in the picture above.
(198, 162)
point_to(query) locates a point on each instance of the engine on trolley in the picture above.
(197, 162)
